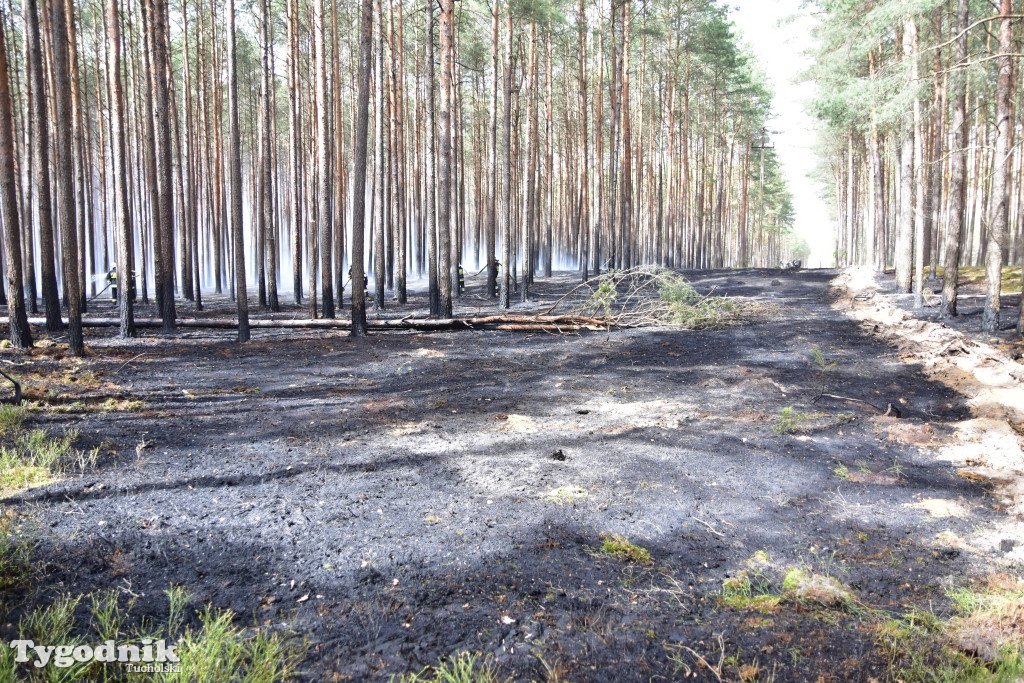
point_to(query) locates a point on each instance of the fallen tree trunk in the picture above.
(516, 323)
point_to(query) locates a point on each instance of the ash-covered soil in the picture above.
(399, 498)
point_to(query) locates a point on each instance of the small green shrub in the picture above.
(789, 422)
(819, 359)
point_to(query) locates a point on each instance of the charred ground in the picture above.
(400, 498)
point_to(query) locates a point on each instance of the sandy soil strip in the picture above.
(987, 447)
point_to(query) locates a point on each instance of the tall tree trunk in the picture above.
(586, 225)
(492, 159)
(83, 220)
(65, 175)
(17, 318)
(626, 214)
(338, 160)
(323, 150)
(379, 177)
(359, 168)
(190, 256)
(398, 161)
(920, 185)
(905, 227)
(30, 208)
(295, 172)
(430, 155)
(1000, 201)
(875, 244)
(41, 165)
(506, 169)
(269, 227)
(446, 33)
(235, 173)
(164, 225)
(526, 184)
(549, 178)
(957, 168)
(122, 215)
(615, 257)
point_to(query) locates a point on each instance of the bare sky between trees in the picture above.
(779, 32)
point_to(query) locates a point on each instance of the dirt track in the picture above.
(403, 497)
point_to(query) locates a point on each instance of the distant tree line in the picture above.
(923, 121)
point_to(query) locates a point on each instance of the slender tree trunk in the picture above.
(1000, 201)
(550, 178)
(338, 161)
(613, 140)
(390, 205)
(323, 151)
(626, 214)
(65, 176)
(492, 160)
(269, 226)
(17, 318)
(446, 32)
(430, 154)
(920, 185)
(359, 168)
(41, 165)
(905, 227)
(379, 177)
(295, 172)
(122, 215)
(189, 227)
(506, 169)
(398, 163)
(586, 226)
(83, 220)
(875, 244)
(28, 219)
(527, 183)
(235, 172)
(957, 168)
(164, 211)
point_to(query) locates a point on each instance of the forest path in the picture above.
(406, 496)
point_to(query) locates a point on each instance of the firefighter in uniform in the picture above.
(497, 278)
(112, 279)
(462, 280)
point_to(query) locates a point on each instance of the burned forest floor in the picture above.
(829, 490)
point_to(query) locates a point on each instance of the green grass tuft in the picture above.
(621, 548)
(11, 418)
(215, 650)
(463, 667)
(15, 556)
(749, 591)
(35, 458)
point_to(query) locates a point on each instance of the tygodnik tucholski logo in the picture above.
(148, 656)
